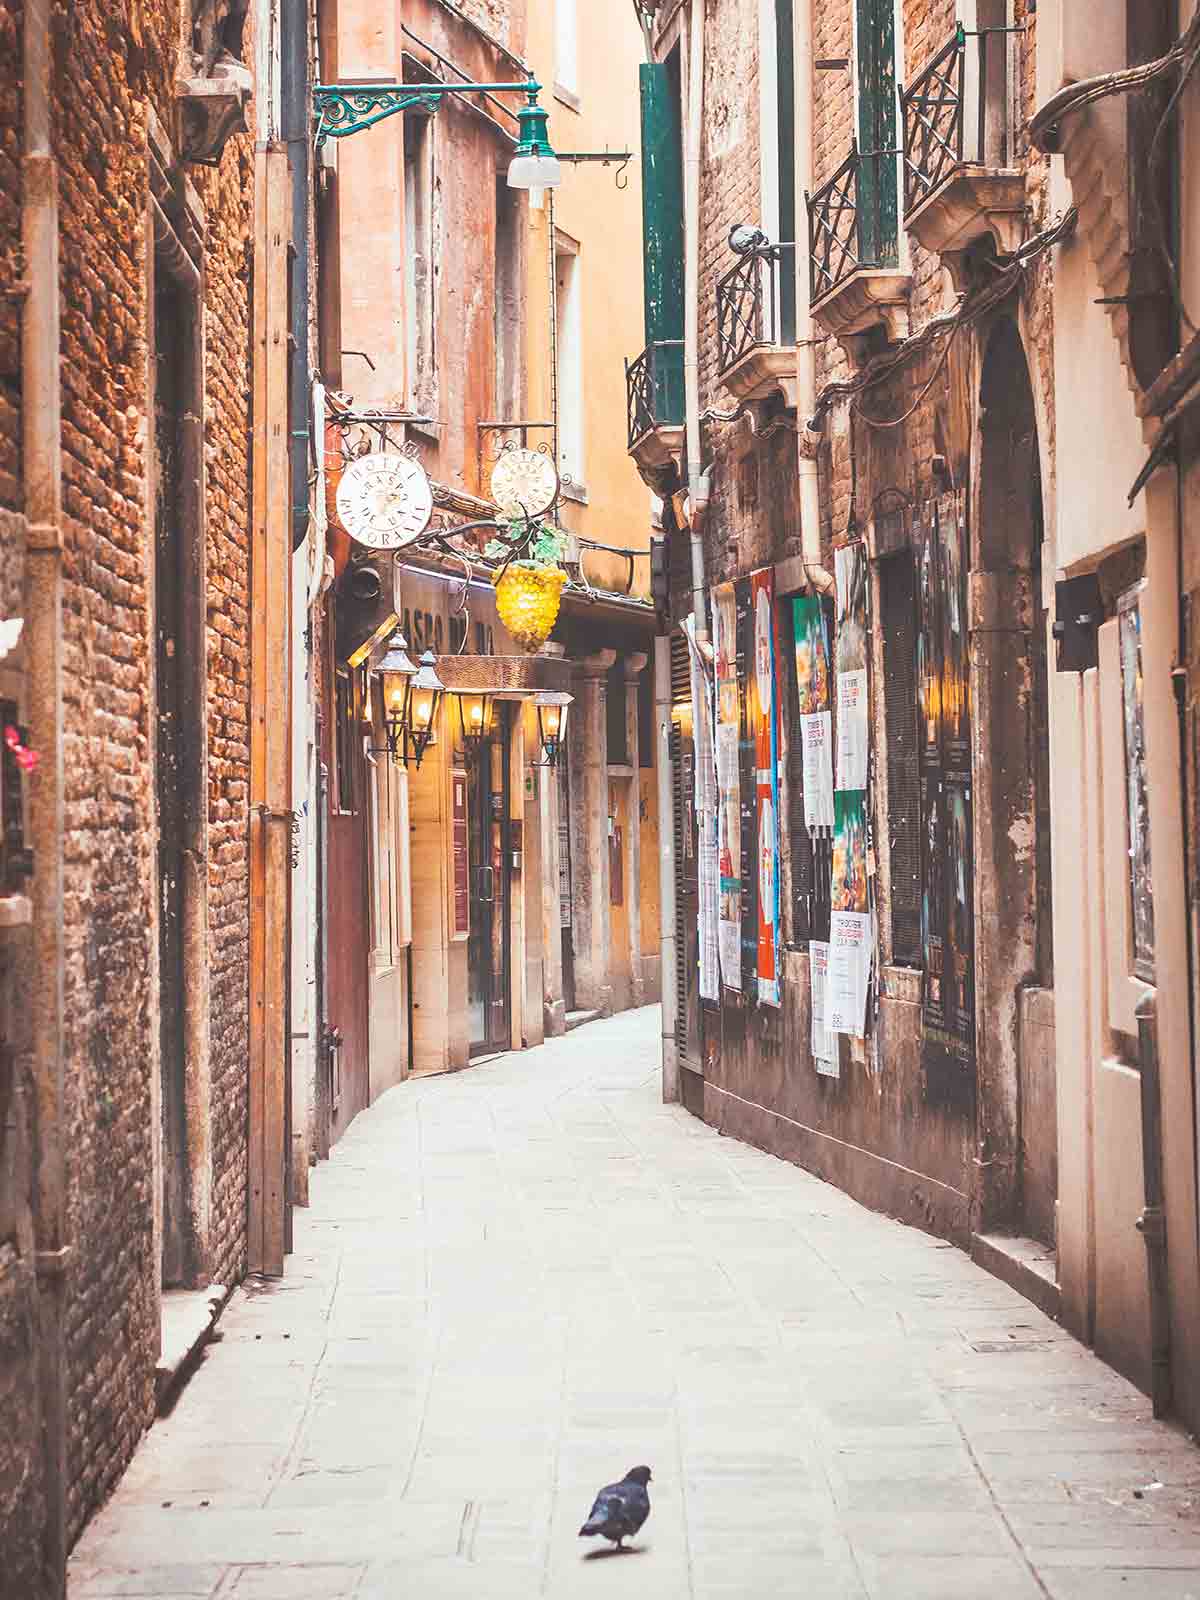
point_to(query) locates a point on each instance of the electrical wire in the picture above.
(969, 309)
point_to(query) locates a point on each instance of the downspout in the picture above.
(807, 441)
(698, 482)
(666, 863)
(41, 412)
(1152, 1224)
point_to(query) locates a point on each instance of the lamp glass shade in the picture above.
(534, 172)
(425, 690)
(552, 724)
(534, 166)
(475, 713)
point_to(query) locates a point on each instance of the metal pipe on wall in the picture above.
(41, 413)
(697, 480)
(666, 862)
(809, 498)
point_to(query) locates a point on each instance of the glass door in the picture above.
(490, 857)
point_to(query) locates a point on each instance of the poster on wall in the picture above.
(851, 574)
(850, 938)
(764, 700)
(743, 594)
(706, 821)
(823, 1039)
(811, 645)
(729, 833)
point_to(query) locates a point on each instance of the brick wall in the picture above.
(11, 265)
(753, 520)
(102, 85)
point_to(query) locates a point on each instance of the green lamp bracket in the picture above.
(345, 108)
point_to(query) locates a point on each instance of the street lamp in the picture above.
(476, 713)
(396, 672)
(535, 166)
(552, 725)
(425, 691)
(345, 108)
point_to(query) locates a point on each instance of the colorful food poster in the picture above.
(851, 574)
(706, 821)
(850, 938)
(811, 643)
(824, 1040)
(729, 831)
(764, 698)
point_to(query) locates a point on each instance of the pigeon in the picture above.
(620, 1508)
(747, 240)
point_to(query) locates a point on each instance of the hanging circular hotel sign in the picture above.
(384, 500)
(524, 483)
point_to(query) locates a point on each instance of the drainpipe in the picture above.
(42, 466)
(819, 579)
(698, 482)
(666, 862)
(1152, 1224)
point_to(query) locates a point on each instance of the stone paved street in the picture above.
(518, 1281)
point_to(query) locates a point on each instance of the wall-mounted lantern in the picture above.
(476, 715)
(425, 691)
(552, 725)
(411, 697)
(342, 109)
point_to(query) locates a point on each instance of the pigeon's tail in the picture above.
(592, 1527)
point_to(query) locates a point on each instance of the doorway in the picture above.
(490, 857)
(1017, 1106)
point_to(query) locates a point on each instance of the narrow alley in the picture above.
(517, 1282)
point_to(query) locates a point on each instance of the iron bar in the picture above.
(654, 388)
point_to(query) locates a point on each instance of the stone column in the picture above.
(634, 665)
(554, 1009)
(589, 837)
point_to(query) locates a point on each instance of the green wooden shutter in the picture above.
(787, 167)
(662, 232)
(878, 235)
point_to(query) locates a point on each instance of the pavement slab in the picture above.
(515, 1282)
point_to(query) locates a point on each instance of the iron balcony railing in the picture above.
(955, 112)
(851, 220)
(654, 388)
(755, 305)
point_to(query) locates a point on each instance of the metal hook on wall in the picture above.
(622, 173)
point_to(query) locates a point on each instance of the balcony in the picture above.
(654, 395)
(855, 283)
(756, 328)
(958, 186)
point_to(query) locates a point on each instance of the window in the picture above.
(418, 262)
(507, 303)
(566, 46)
(569, 330)
(777, 116)
(1137, 800)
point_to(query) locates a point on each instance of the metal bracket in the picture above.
(345, 108)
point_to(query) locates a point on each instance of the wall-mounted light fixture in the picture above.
(425, 691)
(552, 725)
(411, 697)
(345, 108)
(476, 714)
